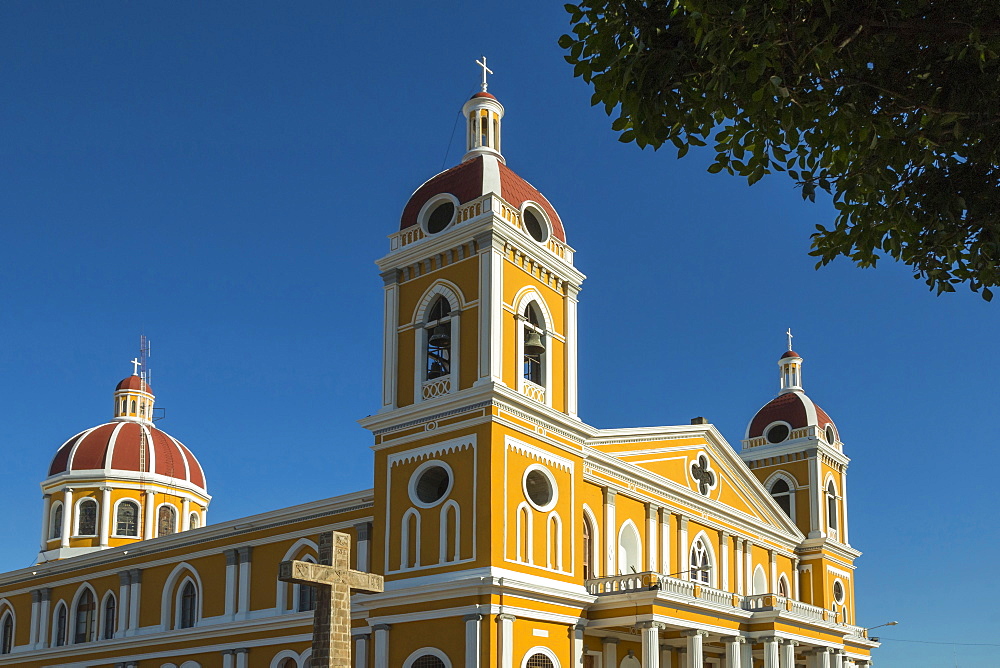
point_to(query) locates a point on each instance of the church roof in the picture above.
(795, 408)
(470, 180)
(134, 383)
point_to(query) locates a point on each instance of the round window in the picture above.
(539, 488)
(831, 437)
(431, 484)
(776, 433)
(838, 591)
(440, 217)
(535, 225)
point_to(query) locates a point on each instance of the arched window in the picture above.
(60, 627)
(288, 663)
(629, 550)
(57, 521)
(783, 587)
(109, 617)
(539, 660)
(306, 593)
(85, 621)
(534, 344)
(87, 520)
(189, 604)
(194, 521)
(438, 329)
(759, 580)
(782, 494)
(127, 519)
(701, 564)
(124, 405)
(166, 520)
(553, 536)
(831, 506)
(7, 634)
(588, 546)
(427, 661)
(133, 406)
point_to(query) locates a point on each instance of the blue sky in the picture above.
(221, 176)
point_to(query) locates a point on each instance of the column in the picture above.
(815, 495)
(67, 515)
(740, 589)
(381, 645)
(650, 644)
(838, 658)
(227, 658)
(665, 541)
(147, 529)
(185, 514)
(105, 515)
(124, 580)
(824, 657)
(363, 545)
(241, 657)
(576, 649)
(734, 650)
(473, 641)
(695, 656)
(682, 550)
(571, 355)
(43, 616)
(770, 651)
(772, 563)
(666, 656)
(746, 654)
(134, 590)
(505, 644)
(36, 598)
(843, 507)
(795, 579)
(491, 258)
(361, 651)
(610, 533)
(748, 559)
(610, 647)
(651, 513)
(786, 658)
(230, 583)
(243, 604)
(390, 333)
(724, 560)
(46, 507)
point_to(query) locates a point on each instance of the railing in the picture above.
(532, 390)
(436, 387)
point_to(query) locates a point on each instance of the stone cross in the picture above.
(333, 579)
(135, 366)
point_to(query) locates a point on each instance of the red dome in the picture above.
(134, 383)
(790, 353)
(795, 408)
(129, 447)
(468, 181)
(483, 94)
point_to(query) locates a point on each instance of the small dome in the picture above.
(473, 179)
(793, 408)
(790, 353)
(128, 449)
(134, 383)
(483, 94)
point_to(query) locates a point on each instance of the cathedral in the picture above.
(508, 531)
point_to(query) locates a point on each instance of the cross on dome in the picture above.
(486, 70)
(135, 366)
(789, 335)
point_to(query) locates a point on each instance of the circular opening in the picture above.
(428, 661)
(838, 591)
(432, 484)
(539, 660)
(777, 433)
(440, 217)
(535, 226)
(538, 487)
(831, 437)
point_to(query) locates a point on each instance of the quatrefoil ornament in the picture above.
(705, 476)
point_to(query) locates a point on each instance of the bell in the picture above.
(440, 337)
(437, 370)
(533, 346)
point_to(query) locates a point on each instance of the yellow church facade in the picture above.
(509, 532)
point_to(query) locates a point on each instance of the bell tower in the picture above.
(480, 287)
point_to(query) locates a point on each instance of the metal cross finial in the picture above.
(486, 70)
(136, 364)
(789, 335)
